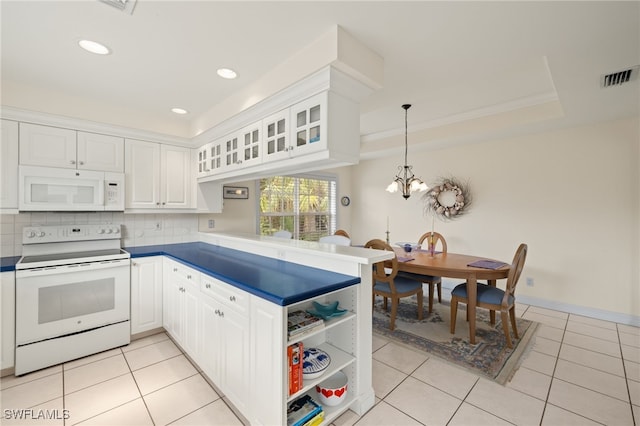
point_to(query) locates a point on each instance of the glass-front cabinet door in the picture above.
(309, 125)
(275, 136)
(210, 158)
(251, 140)
(232, 152)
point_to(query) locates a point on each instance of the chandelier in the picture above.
(405, 179)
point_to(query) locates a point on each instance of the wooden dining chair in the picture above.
(283, 234)
(342, 232)
(388, 284)
(339, 240)
(426, 241)
(493, 298)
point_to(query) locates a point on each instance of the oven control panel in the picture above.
(61, 233)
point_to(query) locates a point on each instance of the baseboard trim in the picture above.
(600, 314)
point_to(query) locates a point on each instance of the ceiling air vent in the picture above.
(123, 5)
(619, 77)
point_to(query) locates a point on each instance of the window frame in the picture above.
(332, 202)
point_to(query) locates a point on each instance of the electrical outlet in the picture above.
(212, 223)
(529, 282)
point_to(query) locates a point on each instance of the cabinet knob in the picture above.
(188, 277)
(232, 298)
(134, 264)
(72, 161)
(175, 269)
(158, 203)
(81, 163)
(222, 314)
(208, 285)
(163, 203)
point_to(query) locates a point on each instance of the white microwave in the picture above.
(53, 189)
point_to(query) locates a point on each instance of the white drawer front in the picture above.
(230, 296)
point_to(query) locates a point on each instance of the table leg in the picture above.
(492, 314)
(471, 307)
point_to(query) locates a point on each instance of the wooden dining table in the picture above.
(453, 265)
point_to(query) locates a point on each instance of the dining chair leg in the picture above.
(385, 303)
(431, 285)
(439, 292)
(394, 311)
(454, 313)
(420, 304)
(492, 317)
(512, 314)
(505, 326)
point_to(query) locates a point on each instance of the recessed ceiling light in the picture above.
(227, 73)
(179, 110)
(94, 47)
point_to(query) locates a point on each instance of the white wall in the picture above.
(571, 195)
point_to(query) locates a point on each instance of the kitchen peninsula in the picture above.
(225, 301)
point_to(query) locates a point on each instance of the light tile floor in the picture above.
(580, 371)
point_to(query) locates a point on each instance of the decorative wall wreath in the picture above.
(447, 199)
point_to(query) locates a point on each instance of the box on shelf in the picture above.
(295, 358)
(302, 410)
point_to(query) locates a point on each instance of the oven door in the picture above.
(60, 300)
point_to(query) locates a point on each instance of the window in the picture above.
(303, 205)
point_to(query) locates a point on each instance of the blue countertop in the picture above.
(8, 264)
(277, 281)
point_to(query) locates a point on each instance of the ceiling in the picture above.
(472, 70)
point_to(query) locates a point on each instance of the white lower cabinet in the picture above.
(7, 304)
(181, 298)
(240, 342)
(225, 341)
(146, 294)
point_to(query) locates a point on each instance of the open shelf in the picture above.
(328, 324)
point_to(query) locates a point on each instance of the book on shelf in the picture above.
(302, 410)
(301, 321)
(315, 421)
(295, 355)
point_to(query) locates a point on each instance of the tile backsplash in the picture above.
(137, 229)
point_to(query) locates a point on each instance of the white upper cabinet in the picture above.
(100, 152)
(275, 136)
(158, 176)
(250, 140)
(47, 146)
(320, 131)
(70, 149)
(210, 158)
(9, 165)
(309, 125)
(176, 183)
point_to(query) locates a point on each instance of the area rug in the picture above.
(489, 357)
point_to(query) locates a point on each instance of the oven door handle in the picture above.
(51, 270)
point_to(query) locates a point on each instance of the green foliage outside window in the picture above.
(303, 206)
